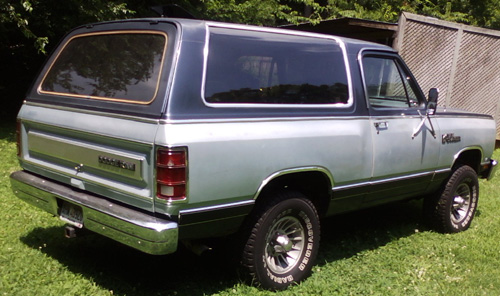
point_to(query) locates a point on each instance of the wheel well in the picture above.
(315, 186)
(471, 158)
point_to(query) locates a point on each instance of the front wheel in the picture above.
(283, 241)
(452, 210)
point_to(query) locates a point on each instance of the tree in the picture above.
(482, 13)
(263, 12)
(30, 28)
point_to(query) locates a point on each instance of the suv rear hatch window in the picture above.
(118, 66)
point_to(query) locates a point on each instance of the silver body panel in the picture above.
(241, 155)
(474, 133)
(58, 141)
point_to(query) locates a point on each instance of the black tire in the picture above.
(453, 208)
(283, 241)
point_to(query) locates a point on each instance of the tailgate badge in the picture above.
(116, 163)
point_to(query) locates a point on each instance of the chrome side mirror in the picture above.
(432, 100)
(430, 109)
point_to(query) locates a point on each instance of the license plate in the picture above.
(71, 214)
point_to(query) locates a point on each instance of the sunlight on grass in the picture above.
(386, 251)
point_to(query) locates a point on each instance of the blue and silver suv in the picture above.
(157, 131)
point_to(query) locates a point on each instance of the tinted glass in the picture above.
(387, 84)
(267, 68)
(122, 67)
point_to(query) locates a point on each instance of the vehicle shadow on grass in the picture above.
(346, 235)
(126, 271)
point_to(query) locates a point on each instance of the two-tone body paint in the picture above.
(58, 140)
(471, 129)
(229, 160)
(234, 152)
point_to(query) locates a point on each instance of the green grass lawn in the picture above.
(383, 251)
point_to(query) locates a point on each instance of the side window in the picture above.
(249, 67)
(387, 84)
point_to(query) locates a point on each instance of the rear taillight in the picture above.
(18, 137)
(171, 174)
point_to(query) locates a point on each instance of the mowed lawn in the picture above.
(382, 251)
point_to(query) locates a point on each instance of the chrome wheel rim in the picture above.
(461, 203)
(284, 245)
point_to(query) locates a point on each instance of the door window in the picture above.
(387, 84)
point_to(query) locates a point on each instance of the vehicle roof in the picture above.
(192, 24)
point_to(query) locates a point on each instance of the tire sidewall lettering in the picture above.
(280, 279)
(307, 252)
(473, 206)
(464, 224)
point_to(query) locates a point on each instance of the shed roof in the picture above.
(374, 31)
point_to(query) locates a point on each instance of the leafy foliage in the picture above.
(474, 12)
(48, 19)
(30, 28)
(263, 12)
(9, 14)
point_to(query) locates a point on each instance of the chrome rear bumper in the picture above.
(125, 225)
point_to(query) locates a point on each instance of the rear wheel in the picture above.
(453, 209)
(283, 241)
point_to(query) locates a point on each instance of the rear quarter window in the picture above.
(265, 68)
(121, 66)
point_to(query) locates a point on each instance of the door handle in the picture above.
(381, 125)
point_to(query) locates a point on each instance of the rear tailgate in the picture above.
(91, 117)
(97, 152)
